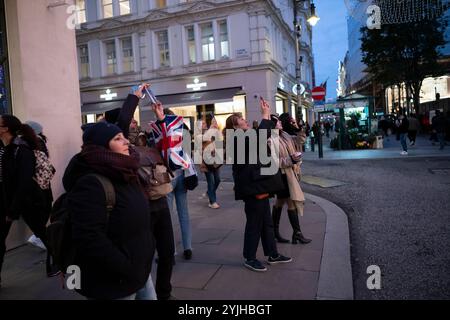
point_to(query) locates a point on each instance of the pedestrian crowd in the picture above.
(408, 126)
(114, 221)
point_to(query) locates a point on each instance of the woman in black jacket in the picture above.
(255, 190)
(114, 253)
(159, 209)
(20, 195)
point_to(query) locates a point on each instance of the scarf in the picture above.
(111, 164)
(287, 148)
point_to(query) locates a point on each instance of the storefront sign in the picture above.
(196, 86)
(319, 108)
(108, 96)
(281, 84)
(294, 89)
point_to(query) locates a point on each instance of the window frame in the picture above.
(116, 8)
(219, 33)
(188, 44)
(131, 57)
(81, 63)
(105, 44)
(82, 11)
(167, 62)
(154, 4)
(211, 51)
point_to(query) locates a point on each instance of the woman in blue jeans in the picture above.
(167, 129)
(211, 170)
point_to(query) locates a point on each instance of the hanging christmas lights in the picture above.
(407, 11)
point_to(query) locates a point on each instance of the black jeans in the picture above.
(259, 226)
(4, 230)
(412, 135)
(164, 240)
(36, 221)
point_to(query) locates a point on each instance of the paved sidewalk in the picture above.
(320, 270)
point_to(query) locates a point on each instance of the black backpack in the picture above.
(59, 231)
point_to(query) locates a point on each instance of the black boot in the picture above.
(295, 223)
(276, 215)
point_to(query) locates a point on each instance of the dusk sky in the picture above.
(329, 42)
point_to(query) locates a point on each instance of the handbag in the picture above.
(190, 176)
(157, 181)
(154, 175)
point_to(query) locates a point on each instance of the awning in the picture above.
(100, 107)
(199, 97)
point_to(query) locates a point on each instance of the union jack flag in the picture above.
(169, 141)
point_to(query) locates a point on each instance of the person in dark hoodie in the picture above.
(255, 190)
(20, 195)
(114, 254)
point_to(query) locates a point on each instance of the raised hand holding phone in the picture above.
(138, 91)
(265, 108)
(158, 110)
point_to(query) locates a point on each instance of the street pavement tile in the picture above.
(303, 258)
(193, 275)
(239, 283)
(322, 182)
(229, 251)
(231, 219)
(209, 235)
(21, 259)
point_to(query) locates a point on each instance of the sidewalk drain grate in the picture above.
(440, 171)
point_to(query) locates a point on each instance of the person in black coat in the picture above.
(255, 190)
(20, 195)
(402, 124)
(114, 254)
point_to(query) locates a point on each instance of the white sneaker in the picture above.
(215, 205)
(404, 153)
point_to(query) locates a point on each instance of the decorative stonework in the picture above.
(113, 23)
(201, 6)
(156, 15)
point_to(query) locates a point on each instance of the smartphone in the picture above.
(150, 95)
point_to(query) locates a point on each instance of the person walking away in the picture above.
(52, 269)
(402, 129)
(20, 194)
(439, 124)
(114, 250)
(447, 136)
(327, 126)
(255, 190)
(413, 127)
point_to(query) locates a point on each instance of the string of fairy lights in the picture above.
(407, 11)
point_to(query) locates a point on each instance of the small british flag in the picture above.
(168, 135)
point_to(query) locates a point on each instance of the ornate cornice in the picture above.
(160, 18)
(182, 14)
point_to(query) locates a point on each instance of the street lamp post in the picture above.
(312, 20)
